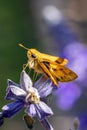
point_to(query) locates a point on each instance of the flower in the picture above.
(67, 95)
(29, 95)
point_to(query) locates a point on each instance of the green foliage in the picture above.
(16, 25)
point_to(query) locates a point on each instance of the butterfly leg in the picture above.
(25, 66)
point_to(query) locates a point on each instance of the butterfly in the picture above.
(52, 67)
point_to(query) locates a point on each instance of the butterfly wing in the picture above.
(57, 72)
(62, 73)
(45, 68)
(58, 60)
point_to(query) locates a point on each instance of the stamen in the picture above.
(32, 97)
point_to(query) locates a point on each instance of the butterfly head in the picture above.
(31, 54)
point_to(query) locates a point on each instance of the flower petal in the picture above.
(44, 86)
(11, 109)
(14, 91)
(10, 82)
(10, 94)
(46, 89)
(46, 124)
(43, 110)
(38, 84)
(17, 91)
(25, 81)
(31, 110)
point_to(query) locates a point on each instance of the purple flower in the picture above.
(67, 94)
(29, 95)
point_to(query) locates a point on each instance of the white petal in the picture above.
(5, 107)
(31, 110)
(10, 82)
(45, 108)
(17, 91)
(46, 89)
(25, 81)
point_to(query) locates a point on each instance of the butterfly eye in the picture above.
(33, 55)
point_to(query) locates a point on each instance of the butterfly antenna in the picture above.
(23, 46)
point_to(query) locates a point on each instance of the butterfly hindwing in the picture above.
(57, 72)
(62, 73)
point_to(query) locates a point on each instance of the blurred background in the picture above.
(56, 27)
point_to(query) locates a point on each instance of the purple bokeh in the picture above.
(77, 55)
(67, 95)
(67, 44)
